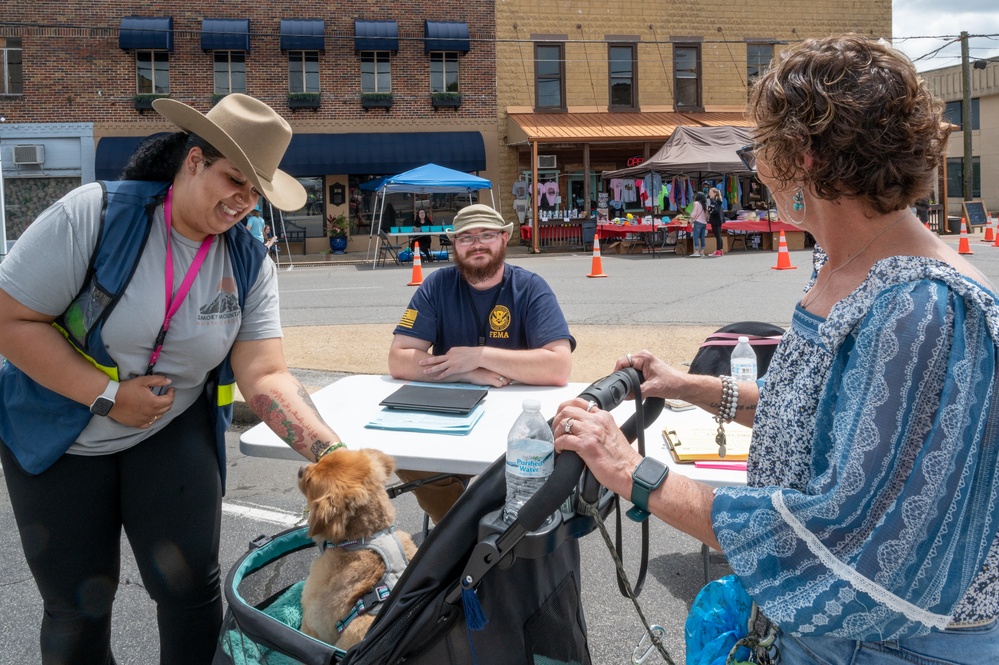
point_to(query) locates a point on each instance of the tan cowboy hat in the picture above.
(249, 134)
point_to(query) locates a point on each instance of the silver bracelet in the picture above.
(726, 411)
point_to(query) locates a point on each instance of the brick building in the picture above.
(370, 88)
(596, 86)
(586, 86)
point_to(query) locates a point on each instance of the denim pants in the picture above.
(700, 234)
(958, 646)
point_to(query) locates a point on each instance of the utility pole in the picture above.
(968, 174)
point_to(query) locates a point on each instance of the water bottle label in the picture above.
(531, 466)
(743, 371)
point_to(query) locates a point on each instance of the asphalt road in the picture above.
(262, 496)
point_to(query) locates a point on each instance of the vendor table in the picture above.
(350, 403)
(655, 236)
(769, 232)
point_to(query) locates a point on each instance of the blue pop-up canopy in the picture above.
(431, 178)
(426, 179)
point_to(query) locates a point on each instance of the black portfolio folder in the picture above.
(436, 399)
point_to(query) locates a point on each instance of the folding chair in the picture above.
(714, 357)
(445, 244)
(388, 248)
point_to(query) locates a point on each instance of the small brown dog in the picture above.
(351, 517)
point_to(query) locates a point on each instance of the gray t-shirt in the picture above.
(46, 270)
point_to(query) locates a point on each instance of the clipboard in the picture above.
(696, 443)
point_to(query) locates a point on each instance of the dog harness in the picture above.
(388, 546)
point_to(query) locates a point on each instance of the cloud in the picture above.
(937, 25)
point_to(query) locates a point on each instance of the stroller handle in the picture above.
(608, 392)
(551, 495)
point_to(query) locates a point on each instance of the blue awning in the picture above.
(113, 153)
(445, 36)
(353, 154)
(376, 36)
(225, 34)
(143, 32)
(303, 34)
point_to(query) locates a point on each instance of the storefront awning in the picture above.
(301, 34)
(225, 34)
(145, 32)
(607, 127)
(376, 36)
(445, 36)
(353, 154)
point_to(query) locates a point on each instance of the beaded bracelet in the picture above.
(335, 446)
(726, 412)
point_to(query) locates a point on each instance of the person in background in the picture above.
(480, 321)
(699, 218)
(869, 529)
(116, 394)
(422, 219)
(716, 219)
(255, 224)
(271, 242)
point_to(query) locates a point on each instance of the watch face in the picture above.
(102, 406)
(650, 471)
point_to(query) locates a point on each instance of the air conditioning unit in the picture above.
(29, 154)
(546, 161)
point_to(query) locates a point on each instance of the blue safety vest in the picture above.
(39, 425)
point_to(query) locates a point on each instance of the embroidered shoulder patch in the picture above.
(408, 318)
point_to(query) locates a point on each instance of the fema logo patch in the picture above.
(499, 318)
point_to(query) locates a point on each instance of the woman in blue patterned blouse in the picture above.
(868, 529)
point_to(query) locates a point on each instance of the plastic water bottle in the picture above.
(744, 361)
(530, 458)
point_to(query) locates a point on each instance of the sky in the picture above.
(937, 23)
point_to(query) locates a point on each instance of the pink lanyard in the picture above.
(173, 301)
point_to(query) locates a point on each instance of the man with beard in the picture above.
(481, 321)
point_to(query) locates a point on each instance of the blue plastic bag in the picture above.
(718, 618)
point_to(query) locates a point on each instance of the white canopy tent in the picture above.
(426, 179)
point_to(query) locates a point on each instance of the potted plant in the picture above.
(338, 231)
(446, 99)
(144, 102)
(376, 100)
(303, 100)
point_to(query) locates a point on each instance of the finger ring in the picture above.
(631, 363)
(567, 426)
(592, 404)
(501, 379)
(152, 421)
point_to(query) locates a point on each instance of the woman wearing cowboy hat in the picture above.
(125, 312)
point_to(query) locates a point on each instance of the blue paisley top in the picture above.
(872, 508)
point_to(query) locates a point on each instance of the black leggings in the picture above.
(717, 230)
(166, 493)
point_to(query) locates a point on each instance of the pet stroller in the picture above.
(478, 590)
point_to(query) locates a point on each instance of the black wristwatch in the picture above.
(648, 476)
(105, 401)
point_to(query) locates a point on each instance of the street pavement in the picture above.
(339, 318)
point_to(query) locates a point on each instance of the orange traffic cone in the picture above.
(597, 267)
(990, 235)
(783, 257)
(962, 246)
(996, 243)
(417, 266)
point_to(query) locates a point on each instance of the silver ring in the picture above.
(501, 378)
(591, 405)
(631, 363)
(567, 426)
